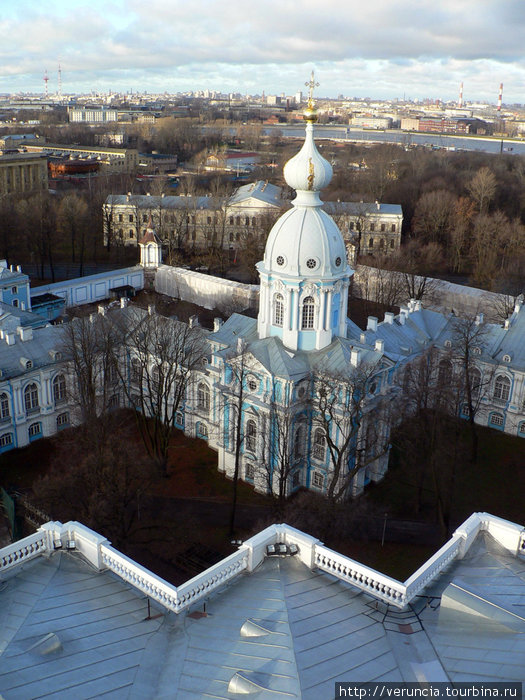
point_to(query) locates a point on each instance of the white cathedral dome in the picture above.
(305, 242)
(305, 273)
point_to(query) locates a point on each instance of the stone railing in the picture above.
(378, 585)
(433, 567)
(23, 550)
(144, 580)
(98, 551)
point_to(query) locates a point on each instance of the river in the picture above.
(405, 138)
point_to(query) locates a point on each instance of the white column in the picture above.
(288, 309)
(329, 309)
(322, 311)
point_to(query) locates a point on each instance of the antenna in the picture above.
(46, 80)
(59, 81)
(460, 103)
(500, 96)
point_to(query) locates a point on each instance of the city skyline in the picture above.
(382, 50)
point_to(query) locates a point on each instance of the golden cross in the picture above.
(311, 84)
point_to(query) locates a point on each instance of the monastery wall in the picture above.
(368, 283)
(205, 290)
(92, 288)
(376, 285)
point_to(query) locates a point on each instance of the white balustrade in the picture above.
(23, 550)
(203, 584)
(141, 578)
(361, 576)
(433, 567)
(252, 552)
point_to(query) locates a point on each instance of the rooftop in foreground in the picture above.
(79, 619)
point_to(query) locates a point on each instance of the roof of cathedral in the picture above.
(280, 626)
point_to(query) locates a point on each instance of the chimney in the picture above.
(389, 317)
(123, 302)
(240, 345)
(506, 325)
(372, 324)
(25, 333)
(102, 310)
(362, 338)
(92, 317)
(10, 338)
(354, 357)
(151, 309)
(403, 313)
(479, 319)
(18, 268)
(217, 324)
(380, 345)
(193, 321)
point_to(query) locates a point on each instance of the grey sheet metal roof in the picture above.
(67, 630)
(362, 208)
(262, 191)
(37, 350)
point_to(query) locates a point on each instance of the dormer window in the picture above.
(29, 364)
(506, 358)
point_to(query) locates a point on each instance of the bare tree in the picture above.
(160, 358)
(90, 346)
(469, 340)
(482, 188)
(352, 417)
(285, 441)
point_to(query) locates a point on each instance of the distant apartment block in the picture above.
(121, 160)
(445, 125)
(22, 173)
(95, 115)
(370, 122)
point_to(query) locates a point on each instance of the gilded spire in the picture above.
(310, 113)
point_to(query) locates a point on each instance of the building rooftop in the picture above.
(75, 620)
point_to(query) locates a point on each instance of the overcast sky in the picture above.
(376, 48)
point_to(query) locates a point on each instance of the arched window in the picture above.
(202, 431)
(299, 441)
(4, 406)
(59, 388)
(62, 420)
(307, 317)
(444, 372)
(502, 387)
(135, 369)
(319, 444)
(203, 397)
(35, 430)
(31, 398)
(496, 420)
(475, 382)
(278, 310)
(251, 436)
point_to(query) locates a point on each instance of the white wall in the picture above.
(205, 290)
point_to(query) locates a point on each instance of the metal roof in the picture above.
(68, 630)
